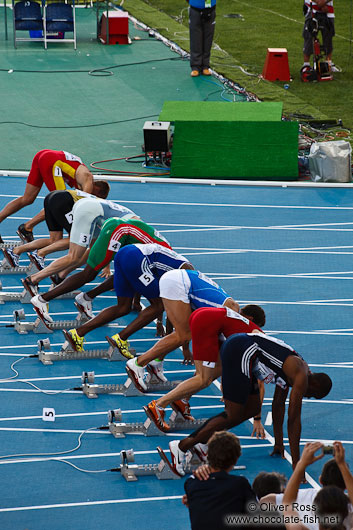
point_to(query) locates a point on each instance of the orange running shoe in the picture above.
(183, 407)
(157, 414)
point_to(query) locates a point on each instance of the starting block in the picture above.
(119, 429)
(67, 354)
(39, 326)
(127, 389)
(10, 244)
(5, 268)
(25, 298)
(163, 471)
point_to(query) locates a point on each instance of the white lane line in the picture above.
(257, 206)
(258, 251)
(104, 413)
(283, 228)
(97, 376)
(297, 276)
(289, 207)
(263, 250)
(91, 503)
(268, 420)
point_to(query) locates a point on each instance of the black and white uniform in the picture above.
(245, 356)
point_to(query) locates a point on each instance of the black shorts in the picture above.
(57, 205)
(237, 354)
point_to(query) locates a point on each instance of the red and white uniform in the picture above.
(207, 324)
(329, 11)
(54, 169)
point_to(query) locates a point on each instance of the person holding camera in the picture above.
(320, 12)
(331, 508)
(331, 475)
(202, 20)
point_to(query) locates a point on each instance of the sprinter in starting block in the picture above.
(208, 325)
(137, 269)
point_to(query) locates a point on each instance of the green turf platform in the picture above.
(218, 111)
(243, 140)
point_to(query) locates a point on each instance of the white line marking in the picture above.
(90, 503)
(268, 420)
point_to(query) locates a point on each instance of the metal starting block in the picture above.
(67, 354)
(39, 326)
(176, 423)
(25, 298)
(128, 389)
(163, 471)
(5, 268)
(10, 244)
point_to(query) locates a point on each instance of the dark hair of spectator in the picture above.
(223, 450)
(331, 501)
(266, 483)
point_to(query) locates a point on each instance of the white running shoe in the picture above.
(136, 374)
(201, 451)
(156, 368)
(83, 305)
(178, 457)
(42, 308)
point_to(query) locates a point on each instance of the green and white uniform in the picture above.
(117, 233)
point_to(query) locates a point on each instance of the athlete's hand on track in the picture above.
(258, 430)
(160, 331)
(105, 273)
(188, 358)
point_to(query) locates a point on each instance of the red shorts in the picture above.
(53, 168)
(208, 323)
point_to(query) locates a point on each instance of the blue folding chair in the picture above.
(27, 16)
(59, 17)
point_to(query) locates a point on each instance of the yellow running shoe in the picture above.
(122, 345)
(74, 339)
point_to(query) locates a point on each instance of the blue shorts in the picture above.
(138, 268)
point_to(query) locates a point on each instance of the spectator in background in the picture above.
(202, 20)
(323, 12)
(266, 483)
(218, 495)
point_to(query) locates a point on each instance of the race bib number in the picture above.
(73, 158)
(48, 414)
(237, 316)
(69, 217)
(114, 245)
(58, 172)
(81, 193)
(84, 239)
(146, 278)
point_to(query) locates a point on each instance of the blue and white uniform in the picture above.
(192, 287)
(138, 269)
(243, 355)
